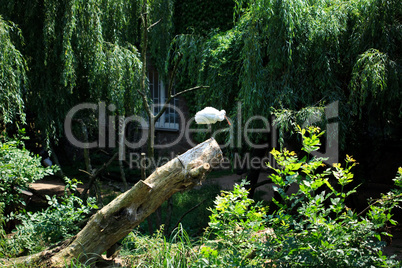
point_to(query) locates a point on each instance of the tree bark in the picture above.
(114, 221)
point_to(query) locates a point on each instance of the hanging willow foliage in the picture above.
(85, 51)
(160, 34)
(371, 75)
(293, 54)
(13, 78)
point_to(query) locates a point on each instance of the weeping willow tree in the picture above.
(13, 80)
(84, 51)
(293, 53)
(290, 55)
(75, 56)
(375, 87)
(91, 52)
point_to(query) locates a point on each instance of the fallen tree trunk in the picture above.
(114, 221)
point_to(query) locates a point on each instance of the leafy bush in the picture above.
(314, 227)
(235, 216)
(18, 168)
(234, 224)
(55, 223)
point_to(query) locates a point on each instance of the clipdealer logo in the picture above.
(112, 134)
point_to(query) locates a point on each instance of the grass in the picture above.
(158, 251)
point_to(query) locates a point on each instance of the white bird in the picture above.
(210, 115)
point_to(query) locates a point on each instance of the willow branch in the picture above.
(95, 174)
(187, 212)
(86, 172)
(173, 74)
(174, 96)
(141, 91)
(386, 199)
(154, 24)
(170, 87)
(145, 103)
(188, 90)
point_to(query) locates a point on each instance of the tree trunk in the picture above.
(151, 144)
(254, 172)
(114, 221)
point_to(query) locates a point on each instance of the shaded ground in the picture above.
(53, 187)
(226, 182)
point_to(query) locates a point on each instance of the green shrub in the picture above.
(55, 223)
(314, 227)
(311, 227)
(235, 216)
(18, 168)
(234, 223)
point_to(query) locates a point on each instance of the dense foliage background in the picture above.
(297, 54)
(281, 54)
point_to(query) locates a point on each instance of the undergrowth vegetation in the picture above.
(18, 168)
(311, 226)
(60, 220)
(314, 226)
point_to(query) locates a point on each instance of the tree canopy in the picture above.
(264, 54)
(13, 79)
(80, 51)
(294, 54)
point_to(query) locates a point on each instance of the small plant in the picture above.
(18, 168)
(55, 223)
(234, 221)
(235, 216)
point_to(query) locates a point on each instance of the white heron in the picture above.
(210, 115)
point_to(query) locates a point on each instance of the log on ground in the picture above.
(114, 221)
